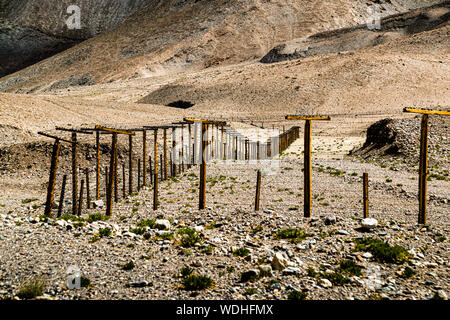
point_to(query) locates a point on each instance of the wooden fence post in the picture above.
(258, 190)
(366, 194)
(74, 174)
(88, 196)
(61, 197)
(80, 203)
(52, 178)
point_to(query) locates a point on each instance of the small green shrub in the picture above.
(350, 267)
(138, 230)
(28, 200)
(104, 232)
(293, 235)
(32, 288)
(382, 251)
(96, 217)
(128, 266)
(189, 237)
(241, 252)
(195, 282)
(85, 282)
(186, 271)
(408, 273)
(297, 295)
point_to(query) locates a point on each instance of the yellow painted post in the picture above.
(366, 194)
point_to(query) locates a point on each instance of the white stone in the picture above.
(98, 204)
(279, 261)
(367, 255)
(326, 283)
(369, 223)
(291, 270)
(197, 228)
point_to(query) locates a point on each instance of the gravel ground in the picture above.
(277, 266)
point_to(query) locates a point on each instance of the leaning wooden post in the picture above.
(366, 194)
(88, 196)
(144, 157)
(307, 157)
(52, 179)
(74, 164)
(423, 159)
(258, 190)
(130, 164)
(61, 198)
(109, 192)
(53, 170)
(80, 203)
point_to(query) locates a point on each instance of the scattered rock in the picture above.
(369, 223)
(279, 261)
(249, 275)
(291, 271)
(325, 283)
(329, 220)
(440, 295)
(98, 204)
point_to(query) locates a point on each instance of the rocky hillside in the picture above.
(32, 30)
(354, 38)
(179, 35)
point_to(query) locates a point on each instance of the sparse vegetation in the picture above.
(382, 251)
(241, 252)
(293, 235)
(128, 266)
(189, 237)
(32, 288)
(297, 295)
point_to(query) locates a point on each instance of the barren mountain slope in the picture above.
(412, 71)
(175, 35)
(32, 30)
(354, 38)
